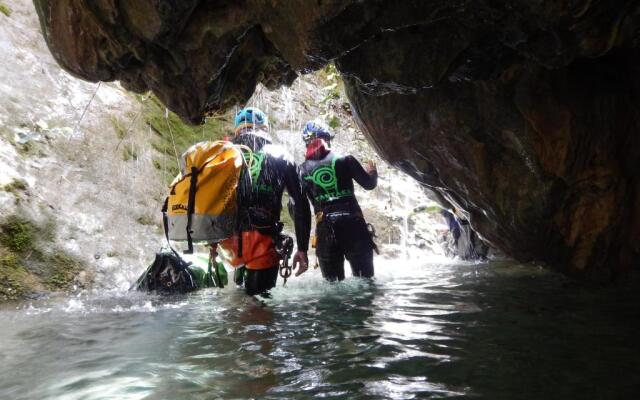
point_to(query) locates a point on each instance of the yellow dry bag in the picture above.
(202, 204)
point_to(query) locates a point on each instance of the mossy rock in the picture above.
(6, 10)
(334, 122)
(129, 153)
(26, 149)
(62, 271)
(17, 185)
(13, 275)
(17, 234)
(26, 266)
(146, 220)
(119, 128)
(174, 136)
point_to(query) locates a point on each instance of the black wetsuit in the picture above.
(272, 171)
(341, 230)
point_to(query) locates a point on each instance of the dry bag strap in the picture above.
(165, 224)
(243, 191)
(165, 221)
(191, 207)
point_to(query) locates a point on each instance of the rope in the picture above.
(77, 126)
(164, 165)
(133, 121)
(175, 150)
(129, 128)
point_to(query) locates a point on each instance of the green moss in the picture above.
(25, 267)
(5, 10)
(120, 130)
(334, 122)
(17, 234)
(183, 135)
(129, 153)
(62, 272)
(112, 253)
(47, 232)
(146, 220)
(15, 186)
(25, 149)
(13, 276)
(329, 73)
(334, 85)
(173, 136)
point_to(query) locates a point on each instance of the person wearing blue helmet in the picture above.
(251, 119)
(271, 171)
(327, 180)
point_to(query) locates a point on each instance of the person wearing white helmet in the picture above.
(341, 230)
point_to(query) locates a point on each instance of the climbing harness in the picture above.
(284, 248)
(372, 232)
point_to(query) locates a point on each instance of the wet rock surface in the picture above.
(522, 114)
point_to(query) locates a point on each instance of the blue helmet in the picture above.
(250, 116)
(316, 129)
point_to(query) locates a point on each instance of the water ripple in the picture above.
(430, 331)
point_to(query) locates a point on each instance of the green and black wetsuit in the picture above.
(272, 171)
(341, 230)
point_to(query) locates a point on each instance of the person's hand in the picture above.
(370, 167)
(301, 262)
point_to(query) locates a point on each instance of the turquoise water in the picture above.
(420, 330)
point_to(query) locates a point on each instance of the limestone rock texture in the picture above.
(522, 114)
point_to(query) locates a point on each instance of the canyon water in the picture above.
(421, 329)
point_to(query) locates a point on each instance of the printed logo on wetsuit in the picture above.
(325, 178)
(255, 161)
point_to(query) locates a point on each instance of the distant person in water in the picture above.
(272, 170)
(465, 242)
(341, 230)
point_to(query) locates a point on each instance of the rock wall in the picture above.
(77, 174)
(85, 167)
(523, 114)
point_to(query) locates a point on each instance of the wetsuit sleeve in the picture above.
(300, 205)
(364, 179)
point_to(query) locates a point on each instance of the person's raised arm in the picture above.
(301, 215)
(368, 178)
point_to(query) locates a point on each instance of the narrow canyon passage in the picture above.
(506, 203)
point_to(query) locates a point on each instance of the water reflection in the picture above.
(417, 331)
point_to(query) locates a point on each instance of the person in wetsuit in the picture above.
(341, 230)
(271, 171)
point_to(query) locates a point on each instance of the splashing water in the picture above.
(431, 329)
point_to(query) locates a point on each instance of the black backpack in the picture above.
(169, 274)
